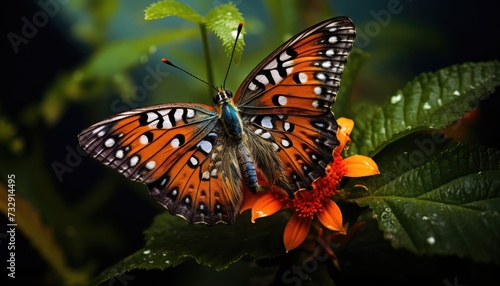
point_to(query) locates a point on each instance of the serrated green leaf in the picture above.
(171, 241)
(430, 101)
(168, 8)
(448, 206)
(223, 21)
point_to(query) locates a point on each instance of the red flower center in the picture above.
(307, 203)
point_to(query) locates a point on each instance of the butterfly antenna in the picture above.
(168, 62)
(240, 26)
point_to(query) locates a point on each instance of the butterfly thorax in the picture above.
(228, 114)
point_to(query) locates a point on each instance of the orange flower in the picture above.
(317, 202)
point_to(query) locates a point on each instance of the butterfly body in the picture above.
(196, 159)
(233, 126)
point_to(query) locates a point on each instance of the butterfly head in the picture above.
(223, 96)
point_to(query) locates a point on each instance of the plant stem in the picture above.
(206, 52)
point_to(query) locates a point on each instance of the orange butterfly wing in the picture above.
(174, 148)
(286, 102)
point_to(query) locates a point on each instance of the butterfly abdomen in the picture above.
(231, 121)
(247, 167)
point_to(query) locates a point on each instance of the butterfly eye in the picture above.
(217, 98)
(222, 96)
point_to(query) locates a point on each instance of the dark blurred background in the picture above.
(60, 80)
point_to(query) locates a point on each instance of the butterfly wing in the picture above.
(286, 102)
(174, 148)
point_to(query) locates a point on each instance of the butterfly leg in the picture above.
(247, 167)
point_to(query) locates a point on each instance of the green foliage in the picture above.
(430, 101)
(222, 20)
(447, 205)
(171, 241)
(168, 8)
(434, 197)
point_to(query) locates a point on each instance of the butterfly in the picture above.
(197, 159)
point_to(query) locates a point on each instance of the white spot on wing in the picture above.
(206, 175)
(271, 65)
(143, 139)
(284, 56)
(109, 143)
(252, 86)
(317, 90)
(119, 154)
(326, 64)
(175, 142)
(178, 114)
(321, 76)
(205, 146)
(286, 126)
(262, 79)
(193, 161)
(285, 143)
(150, 165)
(302, 77)
(282, 100)
(97, 130)
(134, 160)
(266, 122)
(151, 116)
(266, 135)
(276, 76)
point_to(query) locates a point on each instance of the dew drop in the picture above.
(396, 98)
(431, 240)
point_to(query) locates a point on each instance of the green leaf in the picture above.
(168, 8)
(448, 205)
(430, 101)
(105, 69)
(223, 21)
(171, 241)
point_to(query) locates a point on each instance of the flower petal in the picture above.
(266, 205)
(331, 216)
(296, 231)
(346, 125)
(249, 199)
(360, 166)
